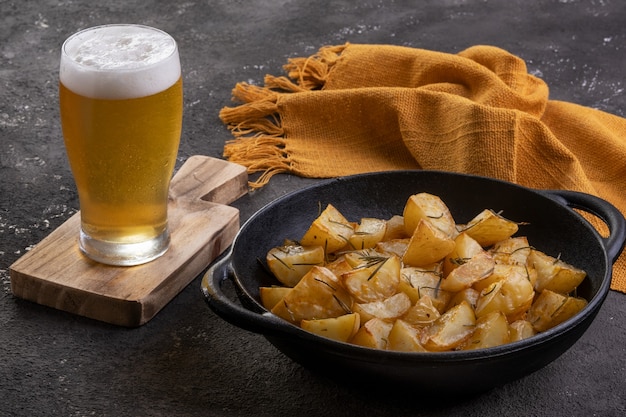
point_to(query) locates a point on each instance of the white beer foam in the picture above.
(119, 62)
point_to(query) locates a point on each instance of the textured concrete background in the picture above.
(187, 361)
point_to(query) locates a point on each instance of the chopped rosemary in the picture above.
(325, 283)
(342, 304)
(290, 267)
(380, 265)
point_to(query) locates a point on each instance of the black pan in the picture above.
(553, 227)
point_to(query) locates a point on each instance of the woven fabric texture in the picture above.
(363, 108)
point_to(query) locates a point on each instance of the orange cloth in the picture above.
(360, 108)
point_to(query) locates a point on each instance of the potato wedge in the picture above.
(428, 207)
(373, 334)
(368, 233)
(289, 263)
(512, 295)
(395, 246)
(422, 313)
(330, 230)
(318, 295)
(377, 281)
(552, 308)
(419, 282)
(465, 248)
(465, 275)
(491, 330)
(520, 330)
(512, 251)
(404, 338)
(341, 328)
(270, 296)
(388, 309)
(554, 274)
(488, 228)
(450, 330)
(469, 295)
(362, 258)
(395, 229)
(428, 245)
(339, 265)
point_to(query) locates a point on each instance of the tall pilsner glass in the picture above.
(121, 112)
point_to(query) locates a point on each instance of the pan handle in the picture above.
(262, 323)
(607, 212)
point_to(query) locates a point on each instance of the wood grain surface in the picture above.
(55, 273)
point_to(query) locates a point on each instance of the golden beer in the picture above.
(121, 113)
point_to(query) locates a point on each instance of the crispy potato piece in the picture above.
(512, 251)
(501, 271)
(341, 328)
(394, 246)
(339, 265)
(374, 334)
(450, 330)
(489, 227)
(551, 308)
(388, 309)
(422, 313)
(491, 330)
(431, 208)
(395, 229)
(419, 282)
(427, 245)
(477, 268)
(512, 295)
(362, 258)
(330, 230)
(520, 330)
(318, 295)
(270, 296)
(404, 338)
(465, 248)
(290, 262)
(377, 281)
(368, 233)
(469, 295)
(554, 274)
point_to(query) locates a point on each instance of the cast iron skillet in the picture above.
(553, 227)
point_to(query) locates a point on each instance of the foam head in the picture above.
(119, 62)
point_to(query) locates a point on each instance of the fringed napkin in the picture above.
(361, 108)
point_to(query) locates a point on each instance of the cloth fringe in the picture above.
(259, 142)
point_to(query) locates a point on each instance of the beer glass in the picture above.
(120, 93)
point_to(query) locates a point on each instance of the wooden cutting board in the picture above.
(202, 225)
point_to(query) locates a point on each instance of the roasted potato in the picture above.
(270, 296)
(427, 245)
(428, 207)
(376, 281)
(479, 267)
(341, 328)
(388, 309)
(418, 282)
(291, 261)
(318, 295)
(450, 330)
(551, 308)
(491, 330)
(367, 233)
(553, 274)
(374, 334)
(488, 228)
(329, 230)
(404, 338)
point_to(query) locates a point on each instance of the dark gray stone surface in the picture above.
(187, 361)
